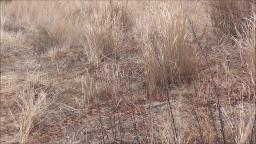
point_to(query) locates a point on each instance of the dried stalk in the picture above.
(214, 83)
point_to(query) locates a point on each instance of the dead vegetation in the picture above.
(229, 16)
(128, 72)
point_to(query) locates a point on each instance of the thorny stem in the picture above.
(171, 114)
(121, 132)
(197, 119)
(253, 135)
(101, 124)
(112, 125)
(135, 130)
(211, 115)
(166, 88)
(213, 120)
(151, 123)
(214, 83)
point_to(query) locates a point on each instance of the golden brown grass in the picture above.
(165, 46)
(228, 17)
(90, 65)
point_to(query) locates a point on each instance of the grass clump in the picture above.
(166, 51)
(104, 33)
(228, 16)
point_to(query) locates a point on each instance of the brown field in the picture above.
(78, 72)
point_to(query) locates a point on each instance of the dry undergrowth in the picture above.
(127, 72)
(229, 16)
(166, 52)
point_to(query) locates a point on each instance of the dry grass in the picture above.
(165, 46)
(246, 45)
(228, 17)
(31, 110)
(89, 67)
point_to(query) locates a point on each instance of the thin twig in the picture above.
(211, 115)
(101, 123)
(197, 119)
(214, 83)
(135, 130)
(166, 88)
(121, 131)
(253, 135)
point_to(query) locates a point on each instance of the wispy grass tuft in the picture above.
(166, 48)
(228, 16)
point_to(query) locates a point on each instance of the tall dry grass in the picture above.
(228, 17)
(166, 52)
(246, 45)
(57, 24)
(82, 47)
(33, 101)
(104, 34)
